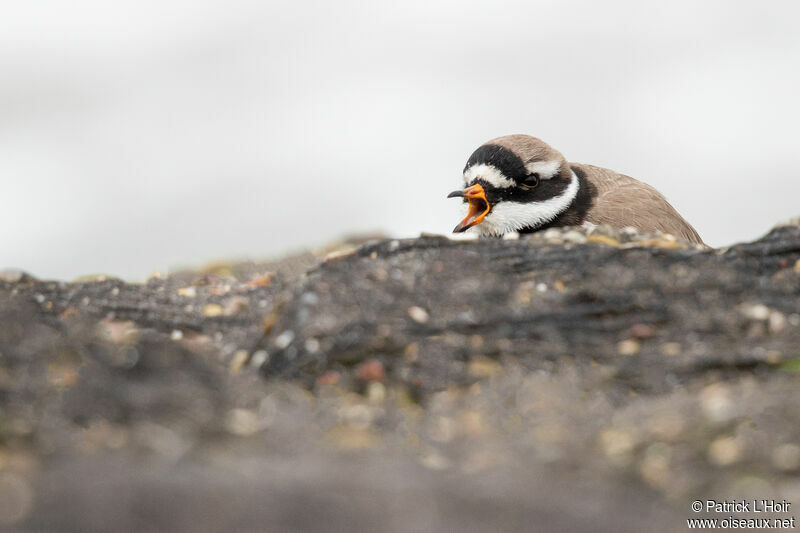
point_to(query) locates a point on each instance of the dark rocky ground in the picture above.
(570, 381)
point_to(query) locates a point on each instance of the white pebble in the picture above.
(312, 345)
(777, 322)
(188, 292)
(259, 358)
(574, 236)
(756, 312)
(552, 233)
(418, 314)
(284, 339)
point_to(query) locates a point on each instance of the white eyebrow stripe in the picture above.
(545, 169)
(489, 174)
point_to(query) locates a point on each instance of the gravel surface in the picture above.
(571, 380)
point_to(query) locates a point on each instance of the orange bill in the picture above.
(478, 207)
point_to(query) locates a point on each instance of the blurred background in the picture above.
(139, 136)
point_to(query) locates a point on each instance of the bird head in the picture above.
(514, 183)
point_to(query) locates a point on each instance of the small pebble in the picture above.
(376, 392)
(259, 358)
(655, 467)
(642, 331)
(666, 242)
(238, 360)
(309, 298)
(262, 281)
(552, 233)
(724, 451)
(220, 289)
(628, 347)
(777, 322)
(212, 310)
(284, 339)
(756, 312)
(574, 236)
(312, 345)
(716, 402)
(242, 422)
(187, 292)
(602, 239)
(617, 445)
(176, 335)
(418, 314)
(370, 370)
(338, 254)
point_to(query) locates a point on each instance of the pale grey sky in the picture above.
(136, 136)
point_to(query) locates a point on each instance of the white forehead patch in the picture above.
(545, 169)
(489, 174)
(507, 216)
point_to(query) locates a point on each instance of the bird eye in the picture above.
(530, 181)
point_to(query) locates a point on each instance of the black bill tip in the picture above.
(456, 194)
(460, 229)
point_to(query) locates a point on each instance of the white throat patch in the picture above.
(507, 216)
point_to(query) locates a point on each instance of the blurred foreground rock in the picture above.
(573, 380)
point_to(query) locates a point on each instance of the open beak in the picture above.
(478, 207)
